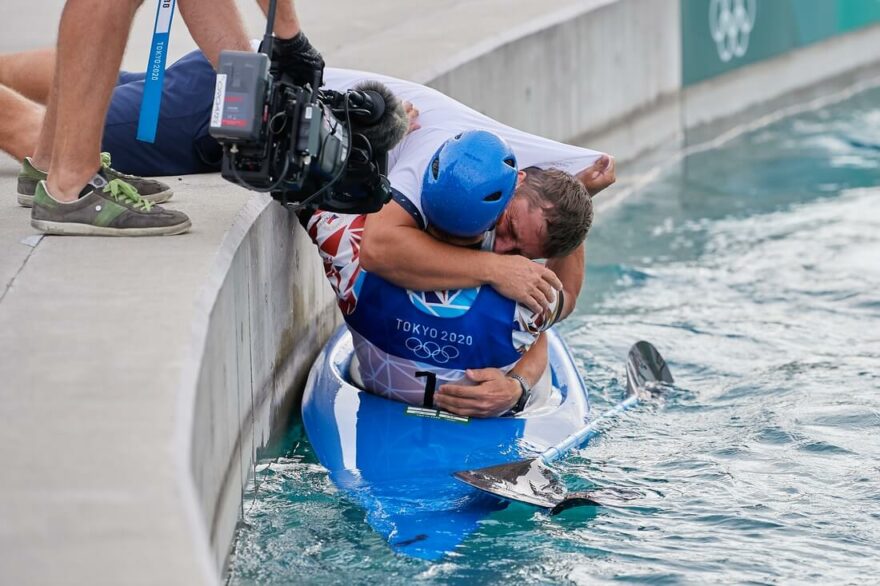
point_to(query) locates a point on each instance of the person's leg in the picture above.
(27, 77)
(42, 154)
(30, 73)
(19, 123)
(24, 132)
(87, 69)
(215, 26)
(77, 198)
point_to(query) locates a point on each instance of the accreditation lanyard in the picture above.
(152, 101)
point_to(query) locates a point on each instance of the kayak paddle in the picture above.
(532, 481)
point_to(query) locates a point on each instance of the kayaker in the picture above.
(548, 218)
(409, 342)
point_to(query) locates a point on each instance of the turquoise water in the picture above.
(755, 269)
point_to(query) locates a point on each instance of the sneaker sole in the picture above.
(27, 201)
(71, 229)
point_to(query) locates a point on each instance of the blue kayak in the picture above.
(397, 461)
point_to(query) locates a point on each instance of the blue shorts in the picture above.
(183, 145)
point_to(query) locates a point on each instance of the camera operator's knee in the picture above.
(98, 7)
(19, 123)
(132, 5)
(76, 5)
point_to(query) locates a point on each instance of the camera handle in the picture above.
(268, 39)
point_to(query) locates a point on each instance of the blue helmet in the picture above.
(468, 183)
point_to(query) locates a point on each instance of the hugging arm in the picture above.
(570, 269)
(395, 248)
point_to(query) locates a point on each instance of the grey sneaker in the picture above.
(106, 208)
(151, 190)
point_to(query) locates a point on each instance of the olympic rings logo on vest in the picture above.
(432, 350)
(731, 23)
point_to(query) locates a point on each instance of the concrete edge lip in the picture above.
(186, 396)
(498, 40)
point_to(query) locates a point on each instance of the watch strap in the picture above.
(526, 393)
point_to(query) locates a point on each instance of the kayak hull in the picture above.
(397, 462)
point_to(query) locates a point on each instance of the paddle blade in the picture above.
(531, 481)
(528, 481)
(614, 497)
(646, 369)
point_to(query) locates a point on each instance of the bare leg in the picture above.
(215, 26)
(19, 124)
(86, 74)
(42, 155)
(29, 73)
(286, 21)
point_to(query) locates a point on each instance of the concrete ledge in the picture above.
(93, 337)
(139, 378)
(259, 322)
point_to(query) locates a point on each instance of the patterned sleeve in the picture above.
(528, 325)
(338, 238)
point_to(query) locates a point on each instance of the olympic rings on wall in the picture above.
(730, 24)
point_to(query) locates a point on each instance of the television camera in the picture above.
(308, 147)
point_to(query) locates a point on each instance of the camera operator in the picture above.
(73, 192)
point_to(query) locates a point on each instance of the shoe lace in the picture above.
(126, 193)
(106, 163)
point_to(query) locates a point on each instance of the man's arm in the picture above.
(496, 393)
(215, 26)
(292, 53)
(395, 248)
(570, 270)
(286, 21)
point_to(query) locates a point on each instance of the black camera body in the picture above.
(308, 148)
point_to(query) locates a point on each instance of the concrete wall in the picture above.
(609, 74)
(585, 70)
(259, 323)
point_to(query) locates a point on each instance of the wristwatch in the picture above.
(524, 397)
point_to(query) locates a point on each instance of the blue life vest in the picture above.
(457, 329)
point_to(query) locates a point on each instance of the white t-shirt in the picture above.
(441, 118)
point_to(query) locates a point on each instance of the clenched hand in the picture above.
(600, 175)
(494, 395)
(412, 114)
